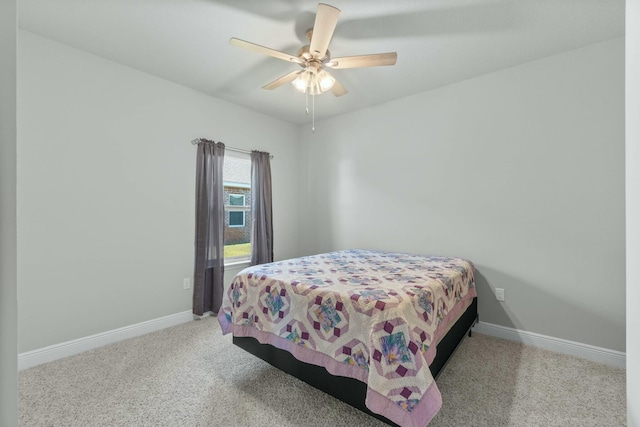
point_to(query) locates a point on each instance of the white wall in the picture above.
(106, 176)
(8, 298)
(521, 171)
(633, 209)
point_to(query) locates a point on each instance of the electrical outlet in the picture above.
(186, 283)
(500, 294)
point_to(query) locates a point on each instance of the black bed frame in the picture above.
(346, 389)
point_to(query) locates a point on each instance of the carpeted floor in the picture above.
(191, 375)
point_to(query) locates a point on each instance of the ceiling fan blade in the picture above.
(337, 89)
(373, 60)
(264, 50)
(282, 80)
(325, 25)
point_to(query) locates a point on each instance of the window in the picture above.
(237, 206)
(236, 219)
(236, 199)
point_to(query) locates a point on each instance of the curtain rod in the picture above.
(226, 147)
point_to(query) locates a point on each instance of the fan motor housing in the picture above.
(305, 55)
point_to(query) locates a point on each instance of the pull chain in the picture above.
(313, 109)
(313, 113)
(306, 102)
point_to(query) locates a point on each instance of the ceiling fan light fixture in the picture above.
(313, 83)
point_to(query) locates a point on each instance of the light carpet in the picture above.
(191, 375)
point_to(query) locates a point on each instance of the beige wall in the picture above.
(8, 298)
(633, 209)
(106, 176)
(521, 171)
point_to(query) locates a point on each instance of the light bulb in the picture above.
(326, 80)
(302, 81)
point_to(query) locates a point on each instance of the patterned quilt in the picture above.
(369, 315)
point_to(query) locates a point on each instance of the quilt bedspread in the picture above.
(369, 315)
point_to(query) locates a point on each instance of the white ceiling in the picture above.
(438, 41)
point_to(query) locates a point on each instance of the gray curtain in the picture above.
(262, 224)
(209, 242)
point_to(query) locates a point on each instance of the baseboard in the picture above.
(69, 348)
(559, 345)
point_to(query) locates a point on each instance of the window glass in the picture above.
(236, 219)
(237, 204)
(236, 199)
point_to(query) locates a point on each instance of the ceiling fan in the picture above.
(314, 58)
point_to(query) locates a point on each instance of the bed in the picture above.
(371, 328)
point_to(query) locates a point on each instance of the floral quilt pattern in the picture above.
(370, 315)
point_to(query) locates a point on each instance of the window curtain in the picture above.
(262, 224)
(209, 241)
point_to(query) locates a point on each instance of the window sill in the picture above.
(238, 263)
